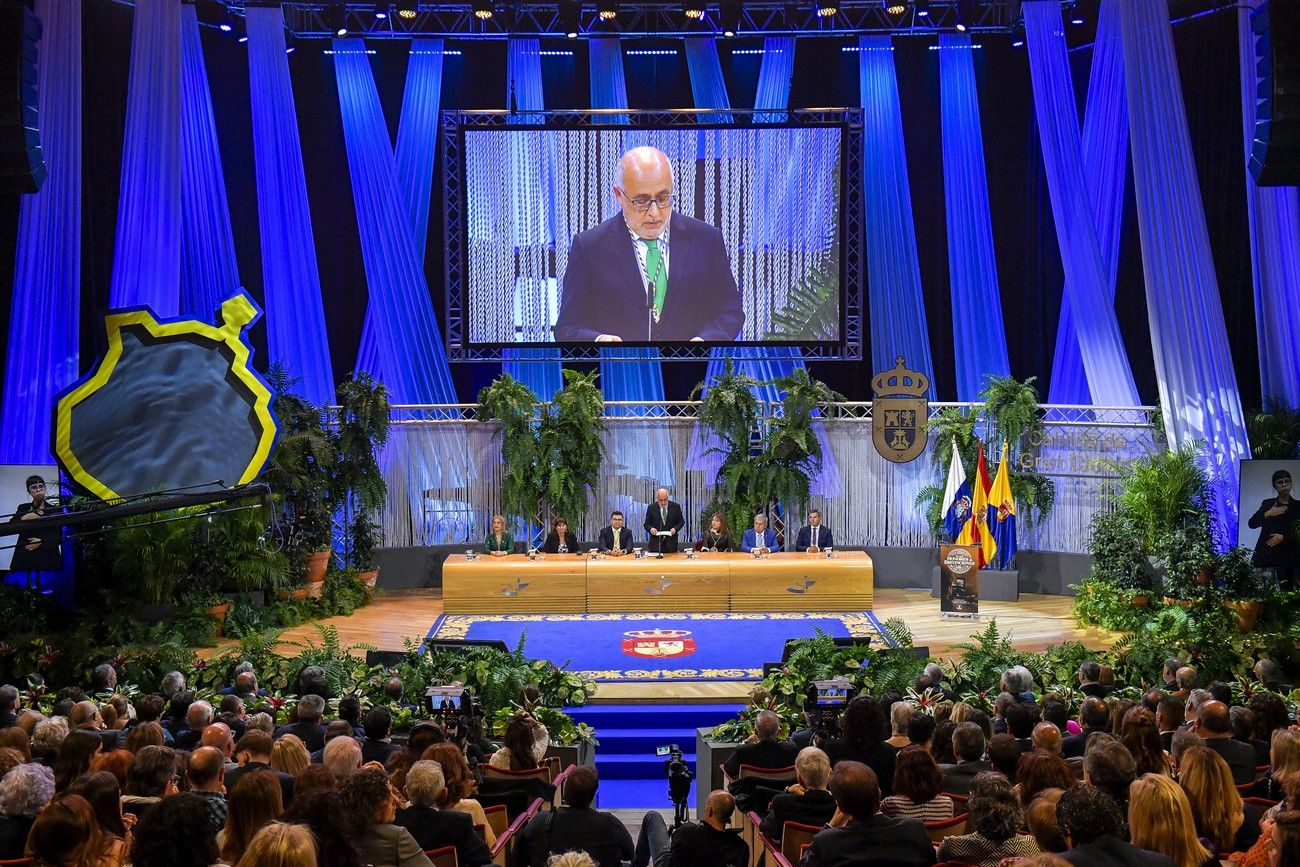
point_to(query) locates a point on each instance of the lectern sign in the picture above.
(959, 579)
(899, 411)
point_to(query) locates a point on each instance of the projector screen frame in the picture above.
(455, 124)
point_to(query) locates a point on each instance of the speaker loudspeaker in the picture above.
(1275, 152)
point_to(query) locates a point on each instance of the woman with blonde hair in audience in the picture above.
(571, 859)
(1284, 762)
(289, 754)
(1160, 819)
(280, 844)
(1217, 808)
(460, 786)
(255, 803)
(145, 734)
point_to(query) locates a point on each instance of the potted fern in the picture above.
(514, 407)
(570, 446)
(360, 430)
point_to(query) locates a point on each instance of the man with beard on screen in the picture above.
(648, 274)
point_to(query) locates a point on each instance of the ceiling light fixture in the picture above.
(407, 8)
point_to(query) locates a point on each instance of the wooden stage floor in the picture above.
(1034, 622)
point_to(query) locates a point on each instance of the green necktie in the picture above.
(654, 266)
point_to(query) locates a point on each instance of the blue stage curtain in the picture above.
(209, 271)
(147, 251)
(1274, 249)
(410, 346)
(897, 304)
(1105, 164)
(291, 293)
(45, 307)
(417, 145)
(1198, 387)
(608, 79)
(539, 369)
(708, 86)
(1110, 379)
(774, 78)
(981, 342)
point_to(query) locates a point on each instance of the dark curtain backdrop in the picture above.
(1029, 266)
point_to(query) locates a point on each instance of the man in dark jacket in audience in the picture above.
(808, 801)
(433, 828)
(763, 749)
(577, 826)
(710, 843)
(1094, 716)
(1214, 724)
(309, 728)
(968, 746)
(377, 746)
(1093, 828)
(859, 834)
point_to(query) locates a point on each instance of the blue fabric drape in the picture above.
(147, 252)
(417, 146)
(1198, 388)
(897, 304)
(1105, 164)
(539, 369)
(1274, 214)
(45, 307)
(708, 86)
(775, 75)
(981, 342)
(608, 79)
(209, 271)
(1110, 380)
(291, 293)
(410, 346)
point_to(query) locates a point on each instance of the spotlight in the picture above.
(607, 9)
(896, 7)
(381, 14)
(922, 8)
(729, 16)
(826, 8)
(336, 19)
(406, 9)
(227, 22)
(693, 9)
(482, 9)
(570, 17)
(1075, 17)
(1018, 42)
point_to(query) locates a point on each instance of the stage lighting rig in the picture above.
(922, 8)
(483, 9)
(406, 8)
(570, 17)
(895, 7)
(826, 8)
(729, 12)
(336, 19)
(693, 9)
(607, 9)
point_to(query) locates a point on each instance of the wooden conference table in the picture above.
(785, 581)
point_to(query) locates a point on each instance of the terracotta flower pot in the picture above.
(295, 593)
(316, 564)
(218, 613)
(368, 578)
(1181, 603)
(1141, 601)
(1247, 614)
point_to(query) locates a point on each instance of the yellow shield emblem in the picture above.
(899, 411)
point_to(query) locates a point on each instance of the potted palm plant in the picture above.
(357, 486)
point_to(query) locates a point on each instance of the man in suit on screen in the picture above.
(647, 273)
(663, 521)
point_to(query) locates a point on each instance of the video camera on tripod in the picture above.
(679, 781)
(454, 707)
(824, 701)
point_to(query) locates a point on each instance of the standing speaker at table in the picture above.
(816, 536)
(663, 521)
(615, 539)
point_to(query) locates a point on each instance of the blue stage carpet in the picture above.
(659, 647)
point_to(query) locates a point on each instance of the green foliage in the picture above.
(1108, 605)
(1188, 556)
(730, 411)
(1236, 578)
(985, 657)
(152, 553)
(1011, 408)
(1274, 433)
(514, 407)
(1117, 555)
(1164, 491)
(812, 308)
(571, 449)
(301, 468)
(359, 430)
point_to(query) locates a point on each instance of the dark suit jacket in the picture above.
(604, 291)
(606, 541)
(390, 846)
(373, 750)
(286, 780)
(552, 543)
(601, 835)
(825, 539)
(653, 521)
(762, 754)
(811, 808)
(1072, 746)
(957, 779)
(311, 734)
(878, 841)
(701, 845)
(434, 828)
(879, 757)
(1239, 755)
(1113, 852)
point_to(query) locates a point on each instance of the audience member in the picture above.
(459, 785)
(1286, 838)
(289, 755)
(422, 736)
(1217, 808)
(941, 744)
(24, 792)
(1039, 771)
(377, 746)
(309, 729)
(1138, 733)
(1089, 677)
(1183, 741)
(1047, 738)
(1242, 720)
(432, 827)
(578, 826)
(15, 738)
(115, 762)
(254, 802)
(66, 833)
(207, 773)
(1109, 766)
(253, 752)
(1170, 673)
(1192, 710)
(145, 734)
(1270, 715)
(917, 781)
(74, 758)
(260, 721)
(198, 716)
(104, 795)
(281, 845)
(1094, 716)
(322, 812)
(968, 747)
(175, 833)
(859, 833)
(1093, 828)
(150, 779)
(10, 759)
(1040, 817)
(995, 821)
(1019, 681)
(709, 841)
(312, 681)
(314, 778)
(900, 714)
(371, 808)
(8, 706)
(1160, 819)
(1004, 753)
(1021, 719)
(808, 801)
(1214, 724)
(764, 749)
(1184, 682)
(47, 737)
(920, 729)
(1284, 763)
(343, 757)
(861, 742)
(525, 743)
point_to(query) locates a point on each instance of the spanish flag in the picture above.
(1002, 512)
(976, 530)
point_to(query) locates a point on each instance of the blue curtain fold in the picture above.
(1198, 387)
(775, 75)
(417, 147)
(1110, 379)
(1105, 164)
(209, 270)
(147, 251)
(291, 293)
(41, 358)
(1274, 214)
(539, 369)
(411, 352)
(981, 342)
(608, 79)
(897, 304)
(708, 86)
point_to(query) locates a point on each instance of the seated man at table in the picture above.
(814, 537)
(760, 538)
(615, 539)
(561, 539)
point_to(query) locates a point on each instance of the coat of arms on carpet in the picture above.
(658, 643)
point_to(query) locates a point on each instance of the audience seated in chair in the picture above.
(709, 841)
(994, 824)
(808, 801)
(577, 826)
(859, 834)
(432, 827)
(1093, 828)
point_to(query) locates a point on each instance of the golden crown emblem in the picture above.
(657, 633)
(900, 380)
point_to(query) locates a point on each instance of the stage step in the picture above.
(632, 776)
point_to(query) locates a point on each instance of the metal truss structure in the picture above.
(852, 277)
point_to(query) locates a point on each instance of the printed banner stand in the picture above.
(959, 581)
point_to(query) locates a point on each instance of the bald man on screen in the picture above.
(648, 274)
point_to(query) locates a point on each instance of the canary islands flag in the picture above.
(956, 496)
(1002, 512)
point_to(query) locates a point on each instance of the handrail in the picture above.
(516, 827)
(770, 848)
(559, 782)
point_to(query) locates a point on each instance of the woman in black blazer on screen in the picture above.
(560, 540)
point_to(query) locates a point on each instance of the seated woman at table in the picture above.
(560, 540)
(718, 536)
(498, 543)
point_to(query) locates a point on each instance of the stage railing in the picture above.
(442, 466)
